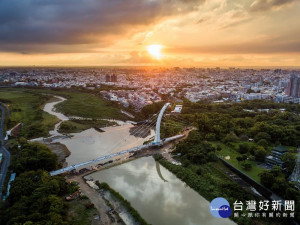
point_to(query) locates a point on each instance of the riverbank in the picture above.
(104, 210)
(78, 125)
(60, 150)
(157, 195)
(216, 183)
(79, 213)
(123, 202)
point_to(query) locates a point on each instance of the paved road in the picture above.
(3, 150)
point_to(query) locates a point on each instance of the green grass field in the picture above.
(75, 126)
(27, 108)
(84, 105)
(227, 151)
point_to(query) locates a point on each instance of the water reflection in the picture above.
(91, 144)
(159, 172)
(159, 202)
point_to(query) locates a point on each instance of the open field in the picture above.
(83, 104)
(78, 214)
(75, 126)
(227, 151)
(26, 108)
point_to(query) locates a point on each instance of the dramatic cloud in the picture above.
(263, 5)
(79, 22)
(264, 47)
(117, 32)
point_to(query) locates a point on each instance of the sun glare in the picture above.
(155, 51)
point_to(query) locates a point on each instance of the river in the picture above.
(160, 197)
(158, 201)
(91, 144)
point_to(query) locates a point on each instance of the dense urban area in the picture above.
(137, 87)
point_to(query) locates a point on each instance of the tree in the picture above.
(289, 160)
(260, 153)
(290, 193)
(210, 137)
(36, 198)
(244, 137)
(247, 165)
(263, 142)
(267, 179)
(280, 185)
(239, 158)
(276, 171)
(262, 135)
(243, 148)
(149, 110)
(34, 156)
(231, 137)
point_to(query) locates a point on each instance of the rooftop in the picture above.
(280, 148)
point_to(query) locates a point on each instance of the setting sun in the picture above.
(155, 51)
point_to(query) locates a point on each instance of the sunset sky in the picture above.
(200, 33)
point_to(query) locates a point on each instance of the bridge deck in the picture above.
(75, 166)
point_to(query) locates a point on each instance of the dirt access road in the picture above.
(96, 199)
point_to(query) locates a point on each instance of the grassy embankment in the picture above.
(233, 154)
(124, 202)
(210, 182)
(227, 151)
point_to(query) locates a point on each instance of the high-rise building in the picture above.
(111, 78)
(114, 78)
(293, 88)
(107, 78)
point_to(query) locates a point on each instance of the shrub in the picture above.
(247, 165)
(243, 148)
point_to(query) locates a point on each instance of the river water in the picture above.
(91, 144)
(160, 197)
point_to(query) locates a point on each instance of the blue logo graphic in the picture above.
(220, 208)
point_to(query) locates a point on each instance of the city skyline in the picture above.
(224, 33)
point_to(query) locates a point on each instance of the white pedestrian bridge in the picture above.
(157, 142)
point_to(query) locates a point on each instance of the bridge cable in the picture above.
(133, 133)
(152, 118)
(146, 130)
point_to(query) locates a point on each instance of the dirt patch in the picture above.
(60, 150)
(79, 214)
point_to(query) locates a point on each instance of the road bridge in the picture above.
(157, 142)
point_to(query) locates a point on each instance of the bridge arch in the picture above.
(158, 122)
(156, 142)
